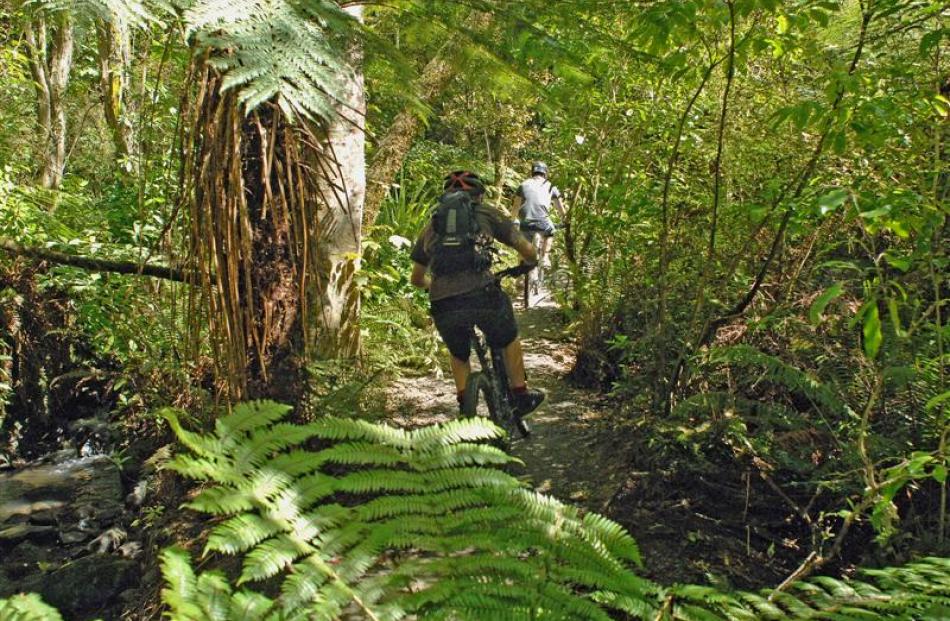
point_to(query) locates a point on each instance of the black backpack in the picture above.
(459, 244)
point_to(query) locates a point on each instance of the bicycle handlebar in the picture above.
(519, 270)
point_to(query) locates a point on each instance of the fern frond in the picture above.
(273, 50)
(180, 592)
(27, 607)
(240, 533)
(341, 429)
(248, 606)
(269, 558)
(389, 523)
(221, 501)
(779, 371)
(214, 592)
(247, 417)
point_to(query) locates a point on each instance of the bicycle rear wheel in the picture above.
(476, 382)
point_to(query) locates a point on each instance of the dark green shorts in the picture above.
(488, 308)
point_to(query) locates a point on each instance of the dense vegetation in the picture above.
(204, 203)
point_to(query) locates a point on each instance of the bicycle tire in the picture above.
(476, 382)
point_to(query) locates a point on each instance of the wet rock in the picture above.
(73, 537)
(63, 493)
(24, 559)
(7, 587)
(18, 532)
(130, 596)
(86, 584)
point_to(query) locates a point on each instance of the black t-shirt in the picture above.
(489, 219)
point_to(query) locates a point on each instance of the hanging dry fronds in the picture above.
(267, 208)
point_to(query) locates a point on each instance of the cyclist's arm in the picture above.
(516, 203)
(526, 249)
(507, 233)
(420, 276)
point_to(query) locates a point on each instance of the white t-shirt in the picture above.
(537, 193)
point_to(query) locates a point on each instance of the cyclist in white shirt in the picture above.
(533, 202)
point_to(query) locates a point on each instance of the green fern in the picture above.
(27, 608)
(779, 372)
(388, 524)
(275, 49)
(471, 533)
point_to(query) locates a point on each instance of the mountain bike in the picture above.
(533, 280)
(491, 382)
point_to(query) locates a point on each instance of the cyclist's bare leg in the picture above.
(545, 254)
(514, 364)
(461, 369)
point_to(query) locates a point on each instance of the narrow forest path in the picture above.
(575, 451)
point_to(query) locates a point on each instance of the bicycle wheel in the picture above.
(476, 382)
(537, 279)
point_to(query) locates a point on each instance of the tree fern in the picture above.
(275, 49)
(778, 371)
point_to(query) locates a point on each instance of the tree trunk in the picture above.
(242, 242)
(392, 148)
(274, 219)
(50, 62)
(502, 151)
(343, 192)
(115, 57)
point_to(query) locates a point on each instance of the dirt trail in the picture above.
(575, 451)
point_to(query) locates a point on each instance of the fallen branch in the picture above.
(93, 265)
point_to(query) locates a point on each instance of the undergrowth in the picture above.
(342, 518)
(349, 517)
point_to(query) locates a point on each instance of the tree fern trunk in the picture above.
(243, 242)
(274, 228)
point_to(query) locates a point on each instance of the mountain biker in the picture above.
(533, 202)
(471, 296)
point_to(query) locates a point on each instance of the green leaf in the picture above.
(876, 213)
(832, 200)
(895, 318)
(783, 24)
(821, 302)
(872, 332)
(934, 402)
(901, 263)
(940, 473)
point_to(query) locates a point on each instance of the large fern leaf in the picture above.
(383, 523)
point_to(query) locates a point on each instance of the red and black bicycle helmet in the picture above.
(464, 180)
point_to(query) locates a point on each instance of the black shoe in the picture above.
(526, 402)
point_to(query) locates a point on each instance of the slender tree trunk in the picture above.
(392, 148)
(115, 57)
(49, 39)
(343, 191)
(502, 151)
